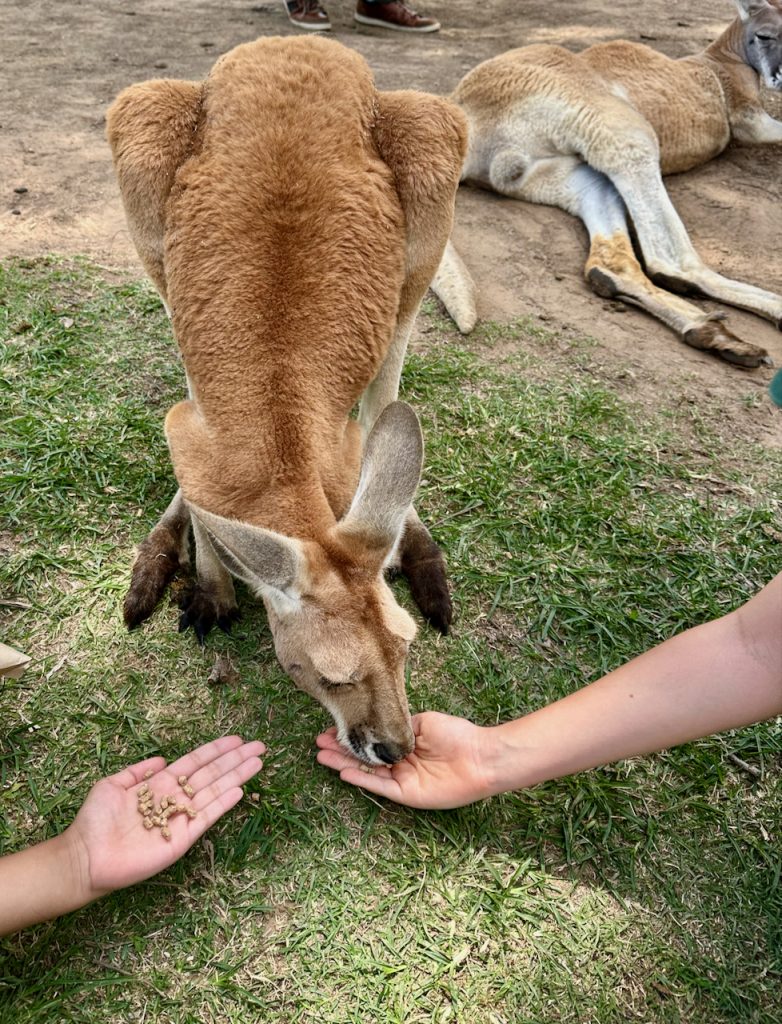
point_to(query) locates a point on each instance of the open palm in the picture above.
(116, 850)
(446, 768)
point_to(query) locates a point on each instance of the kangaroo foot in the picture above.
(423, 564)
(157, 562)
(202, 608)
(713, 336)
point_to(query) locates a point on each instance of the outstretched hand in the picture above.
(447, 768)
(112, 849)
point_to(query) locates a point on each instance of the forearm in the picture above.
(39, 883)
(721, 675)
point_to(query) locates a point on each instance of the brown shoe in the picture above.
(307, 14)
(393, 14)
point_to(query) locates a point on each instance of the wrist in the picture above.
(507, 762)
(75, 861)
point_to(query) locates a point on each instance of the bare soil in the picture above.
(64, 62)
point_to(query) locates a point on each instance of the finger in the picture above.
(336, 758)
(326, 742)
(382, 785)
(135, 773)
(339, 760)
(327, 738)
(214, 810)
(417, 722)
(215, 769)
(235, 777)
(190, 763)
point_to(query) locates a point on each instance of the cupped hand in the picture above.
(112, 848)
(446, 769)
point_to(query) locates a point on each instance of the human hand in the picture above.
(446, 769)
(108, 844)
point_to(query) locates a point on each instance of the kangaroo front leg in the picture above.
(420, 559)
(213, 599)
(756, 126)
(418, 556)
(384, 389)
(160, 555)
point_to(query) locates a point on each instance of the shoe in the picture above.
(394, 15)
(307, 14)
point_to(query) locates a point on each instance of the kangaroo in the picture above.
(291, 218)
(594, 132)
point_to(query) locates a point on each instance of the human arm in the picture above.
(722, 675)
(107, 846)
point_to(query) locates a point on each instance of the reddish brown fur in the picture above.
(275, 323)
(305, 216)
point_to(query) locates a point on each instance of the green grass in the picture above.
(577, 536)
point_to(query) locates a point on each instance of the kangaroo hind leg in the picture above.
(613, 271)
(422, 139)
(151, 128)
(669, 255)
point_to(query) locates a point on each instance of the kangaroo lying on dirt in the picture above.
(593, 132)
(292, 218)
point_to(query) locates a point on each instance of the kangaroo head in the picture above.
(762, 22)
(338, 631)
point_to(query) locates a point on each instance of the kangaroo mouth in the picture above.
(356, 742)
(368, 750)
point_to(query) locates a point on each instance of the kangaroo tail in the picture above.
(454, 287)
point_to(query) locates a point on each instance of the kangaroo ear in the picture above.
(390, 471)
(749, 8)
(273, 565)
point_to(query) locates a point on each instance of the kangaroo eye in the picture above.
(329, 684)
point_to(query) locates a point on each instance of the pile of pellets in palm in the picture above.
(157, 816)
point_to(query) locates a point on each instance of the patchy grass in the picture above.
(577, 536)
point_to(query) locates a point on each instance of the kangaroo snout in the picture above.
(376, 749)
(390, 753)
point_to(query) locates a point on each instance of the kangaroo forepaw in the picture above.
(713, 336)
(423, 564)
(201, 608)
(157, 562)
(429, 587)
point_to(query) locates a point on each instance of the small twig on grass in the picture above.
(460, 512)
(750, 768)
(20, 605)
(56, 668)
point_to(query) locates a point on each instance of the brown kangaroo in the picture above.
(292, 217)
(594, 132)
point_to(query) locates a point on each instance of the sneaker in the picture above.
(394, 15)
(307, 14)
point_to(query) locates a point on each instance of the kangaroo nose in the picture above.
(390, 755)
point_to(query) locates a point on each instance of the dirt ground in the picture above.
(64, 62)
